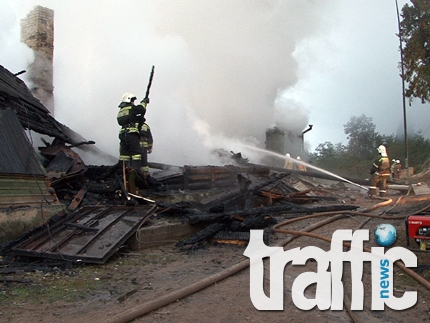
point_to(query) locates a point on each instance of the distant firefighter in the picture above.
(288, 162)
(380, 171)
(396, 166)
(300, 166)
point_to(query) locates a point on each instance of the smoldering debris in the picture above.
(223, 202)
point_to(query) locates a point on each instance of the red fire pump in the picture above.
(418, 229)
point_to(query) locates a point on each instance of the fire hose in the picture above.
(164, 300)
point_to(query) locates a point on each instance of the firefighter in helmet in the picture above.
(396, 166)
(288, 162)
(146, 142)
(130, 117)
(380, 171)
(300, 166)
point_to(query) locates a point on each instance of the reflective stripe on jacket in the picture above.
(130, 117)
(381, 165)
(146, 139)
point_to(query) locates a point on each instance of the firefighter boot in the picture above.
(141, 181)
(371, 192)
(146, 178)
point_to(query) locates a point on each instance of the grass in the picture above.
(49, 287)
(82, 282)
(13, 229)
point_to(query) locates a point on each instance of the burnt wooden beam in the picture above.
(77, 199)
(287, 207)
(204, 234)
(237, 196)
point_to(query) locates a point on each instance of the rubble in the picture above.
(224, 202)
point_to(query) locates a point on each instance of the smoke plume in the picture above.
(221, 69)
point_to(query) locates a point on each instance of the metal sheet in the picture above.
(91, 234)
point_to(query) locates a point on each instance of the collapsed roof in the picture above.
(31, 113)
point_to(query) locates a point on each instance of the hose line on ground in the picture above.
(164, 300)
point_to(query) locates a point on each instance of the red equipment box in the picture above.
(418, 229)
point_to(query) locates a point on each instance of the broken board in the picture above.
(421, 189)
(91, 234)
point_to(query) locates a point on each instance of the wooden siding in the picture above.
(25, 190)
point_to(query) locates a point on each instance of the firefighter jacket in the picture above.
(146, 139)
(381, 166)
(131, 117)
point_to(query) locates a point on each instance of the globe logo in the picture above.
(385, 235)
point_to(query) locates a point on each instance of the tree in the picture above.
(356, 158)
(328, 156)
(415, 35)
(363, 139)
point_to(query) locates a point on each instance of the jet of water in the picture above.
(301, 162)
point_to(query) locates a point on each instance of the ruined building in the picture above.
(37, 31)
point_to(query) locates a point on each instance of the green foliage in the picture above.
(362, 136)
(328, 156)
(415, 35)
(419, 149)
(356, 158)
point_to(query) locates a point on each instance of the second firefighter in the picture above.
(146, 143)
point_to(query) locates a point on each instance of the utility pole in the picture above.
(403, 96)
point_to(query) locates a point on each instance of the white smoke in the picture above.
(224, 70)
(220, 69)
(15, 56)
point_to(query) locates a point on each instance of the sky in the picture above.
(225, 70)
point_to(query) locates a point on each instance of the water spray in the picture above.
(301, 162)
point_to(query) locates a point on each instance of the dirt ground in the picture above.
(44, 291)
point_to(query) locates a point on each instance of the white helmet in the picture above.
(287, 155)
(382, 150)
(128, 97)
(398, 161)
(298, 158)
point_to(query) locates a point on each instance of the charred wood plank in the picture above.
(298, 197)
(234, 237)
(238, 196)
(252, 222)
(216, 217)
(77, 199)
(286, 207)
(109, 172)
(204, 234)
(15, 280)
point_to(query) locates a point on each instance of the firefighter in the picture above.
(398, 169)
(395, 169)
(130, 117)
(300, 166)
(380, 171)
(146, 143)
(288, 162)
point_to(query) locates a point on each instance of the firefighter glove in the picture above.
(145, 100)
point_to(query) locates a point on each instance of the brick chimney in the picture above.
(37, 31)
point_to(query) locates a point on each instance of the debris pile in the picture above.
(225, 202)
